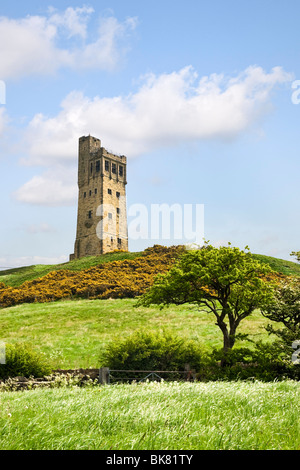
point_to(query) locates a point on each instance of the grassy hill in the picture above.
(289, 268)
(15, 277)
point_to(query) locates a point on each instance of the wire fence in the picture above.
(112, 376)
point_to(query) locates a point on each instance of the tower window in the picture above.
(106, 165)
(90, 214)
(90, 192)
(114, 168)
(84, 194)
(118, 210)
(109, 191)
(117, 194)
(91, 168)
(119, 241)
(98, 165)
(96, 191)
(120, 170)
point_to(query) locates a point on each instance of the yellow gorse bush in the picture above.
(116, 279)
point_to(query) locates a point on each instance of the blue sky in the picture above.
(198, 95)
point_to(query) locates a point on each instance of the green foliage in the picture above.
(22, 360)
(227, 280)
(265, 361)
(285, 310)
(285, 305)
(296, 254)
(145, 350)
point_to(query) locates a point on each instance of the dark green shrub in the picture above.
(235, 355)
(145, 350)
(22, 360)
(265, 362)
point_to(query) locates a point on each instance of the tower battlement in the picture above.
(102, 214)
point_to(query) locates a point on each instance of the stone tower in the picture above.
(102, 216)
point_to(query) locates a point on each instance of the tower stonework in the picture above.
(102, 214)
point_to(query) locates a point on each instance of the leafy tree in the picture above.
(297, 254)
(285, 309)
(226, 280)
(285, 306)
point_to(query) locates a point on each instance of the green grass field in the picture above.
(154, 416)
(71, 333)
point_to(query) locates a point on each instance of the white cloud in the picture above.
(166, 110)
(55, 187)
(30, 46)
(73, 21)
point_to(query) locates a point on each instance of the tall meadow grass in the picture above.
(152, 416)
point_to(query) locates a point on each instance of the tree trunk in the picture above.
(228, 340)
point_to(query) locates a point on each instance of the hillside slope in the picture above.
(17, 276)
(121, 278)
(288, 268)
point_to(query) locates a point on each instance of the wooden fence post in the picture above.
(104, 375)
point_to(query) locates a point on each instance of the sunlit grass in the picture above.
(72, 333)
(16, 276)
(212, 416)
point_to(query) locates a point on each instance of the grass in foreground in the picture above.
(152, 416)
